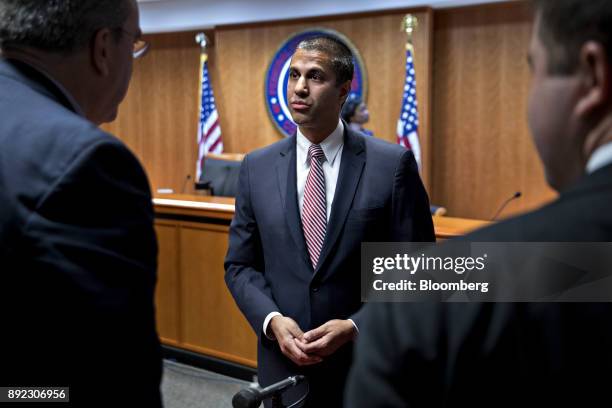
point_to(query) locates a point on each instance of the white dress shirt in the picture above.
(332, 148)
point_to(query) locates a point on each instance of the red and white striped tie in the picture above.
(314, 209)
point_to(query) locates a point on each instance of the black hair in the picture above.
(339, 54)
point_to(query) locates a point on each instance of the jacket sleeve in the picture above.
(244, 264)
(411, 218)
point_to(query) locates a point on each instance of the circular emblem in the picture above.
(277, 77)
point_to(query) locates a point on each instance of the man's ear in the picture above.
(594, 70)
(345, 89)
(100, 50)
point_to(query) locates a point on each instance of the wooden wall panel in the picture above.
(483, 152)
(158, 119)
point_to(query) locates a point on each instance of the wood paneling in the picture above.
(158, 119)
(195, 310)
(482, 151)
(167, 293)
(210, 320)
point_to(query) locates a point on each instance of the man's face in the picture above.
(122, 57)
(551, 115)
(314, 98)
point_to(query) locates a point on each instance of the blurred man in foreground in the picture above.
(519, 354)
(77, 245)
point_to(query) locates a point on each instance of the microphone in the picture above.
(252, 396)
(185, 183)
(501, 208)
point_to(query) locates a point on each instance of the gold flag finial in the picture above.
(409, 25)
(202, 40)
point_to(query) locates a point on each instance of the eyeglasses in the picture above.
(140, 46)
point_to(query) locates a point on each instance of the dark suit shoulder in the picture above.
(34, 124)
(386, 158)
(43, 142)
(44, 153)
(272, 151)
(578, 216)
(382, 147)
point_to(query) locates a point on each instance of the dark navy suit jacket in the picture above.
(379, 197)
(497, 354)
(77, 252)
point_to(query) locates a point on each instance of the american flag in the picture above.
(408, 122)
(209, 131)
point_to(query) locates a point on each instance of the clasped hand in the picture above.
(313, 346)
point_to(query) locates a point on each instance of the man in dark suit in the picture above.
(519, 354)
(77, 244)
(304, 206)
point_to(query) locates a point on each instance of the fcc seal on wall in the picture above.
(277, 77)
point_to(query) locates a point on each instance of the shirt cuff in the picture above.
(267, 322)
(356, 328)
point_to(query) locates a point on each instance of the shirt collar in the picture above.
(601, 157)
(330, 145)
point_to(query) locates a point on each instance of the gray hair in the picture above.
(58, 25)
(339, 54)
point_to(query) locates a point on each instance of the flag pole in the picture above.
(209, 129)
(202, 40)
(410, 24)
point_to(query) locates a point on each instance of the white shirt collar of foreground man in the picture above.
(601, 157)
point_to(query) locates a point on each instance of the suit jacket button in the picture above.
(315, 289)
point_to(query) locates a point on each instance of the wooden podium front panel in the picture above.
(211, 322)
(167, 293)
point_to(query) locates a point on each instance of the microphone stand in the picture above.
(503, 206)
(253, 395)
(277, 400)
(277, 396)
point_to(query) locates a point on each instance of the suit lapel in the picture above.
(351, 168)
(287, 184)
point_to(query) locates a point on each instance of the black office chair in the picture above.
(220, 176)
